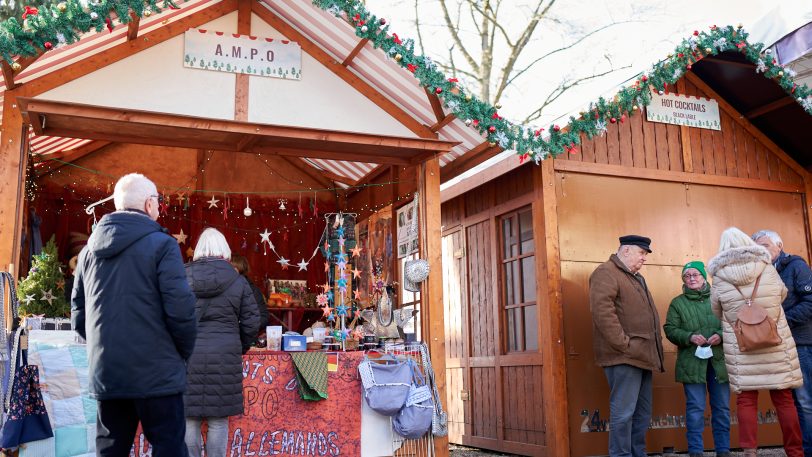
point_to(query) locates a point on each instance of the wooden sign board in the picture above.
(686, 110)
(235, 53)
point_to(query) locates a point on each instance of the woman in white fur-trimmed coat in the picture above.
(735, 269)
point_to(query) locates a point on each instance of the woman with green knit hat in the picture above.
(697, 333)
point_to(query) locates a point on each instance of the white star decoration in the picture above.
(302, 265)
(283, 261)
(266, 236)
(181, 237)
(28, 299)
(48, 296)
(213, 202)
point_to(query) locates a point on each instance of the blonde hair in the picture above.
(132, 191)
(734, 238)
(212, 243)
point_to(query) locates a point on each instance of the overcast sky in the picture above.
(647, 32)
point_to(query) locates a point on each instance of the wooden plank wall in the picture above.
(732, 152)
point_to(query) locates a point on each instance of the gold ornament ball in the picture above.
(635, 108)
(398, 57)
(708, 50)
(147, 13)
(491, 144)
(498, 106)
(468, 97)
(780, 73)
(16, 66)
(62, 7)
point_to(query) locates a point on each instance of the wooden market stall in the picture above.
(348, 128)
(520, 241)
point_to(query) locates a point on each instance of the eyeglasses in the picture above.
(160, 198)
(692, 275)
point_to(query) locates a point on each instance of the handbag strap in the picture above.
(749, 301)
(424, 355)
(15, 349)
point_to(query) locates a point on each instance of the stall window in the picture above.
(410, 301)
(518, 280)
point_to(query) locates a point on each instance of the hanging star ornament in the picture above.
(28, 299)
(266, 236)
(181, 237)
(331, 317)
(356, 251)
(60, 284)
(321, 300)
(357, 294)
(213, 202)
(327, 310)
(340, 232)
(327, 266)
(48, 296)
(356, 273)
(284, 262)
(326, 287)
(341, 310)
(302, 265)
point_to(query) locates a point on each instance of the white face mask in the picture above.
(704, 352)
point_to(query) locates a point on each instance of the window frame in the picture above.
(515, 216)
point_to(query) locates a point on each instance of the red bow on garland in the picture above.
(30, 11)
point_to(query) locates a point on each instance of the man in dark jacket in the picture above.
(132, 304)
(627, 343)
(797, 276)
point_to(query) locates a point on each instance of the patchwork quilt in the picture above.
(63, 378)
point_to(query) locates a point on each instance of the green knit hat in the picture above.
(698, 265)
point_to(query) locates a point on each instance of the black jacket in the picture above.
(228, 325)
(797, 306)
(262, 306)
(132, 304)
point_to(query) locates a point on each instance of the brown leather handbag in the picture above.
(753, 327)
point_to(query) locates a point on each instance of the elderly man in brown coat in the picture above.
(627, 343)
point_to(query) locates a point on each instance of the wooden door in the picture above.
(493, 362)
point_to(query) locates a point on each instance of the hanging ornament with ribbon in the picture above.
(247, 211)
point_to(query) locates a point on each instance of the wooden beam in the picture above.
(446, 120)
(132, 27)
(104, 58)
(8, 74)
(247, 142)
(470, 159)
(338, 178)
(241, 89)
(675, 176)
(431, 296)
(769, 107)
(13, 158)
(330, 155)
(551, 328)
(687, 153)
(305, 168)
(24, 62)
(342, 72)
(355, 52)
(436, 105)
(807, 178)
(747, 125)
(55, 161)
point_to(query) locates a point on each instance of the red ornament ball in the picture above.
(680, 55)
(622, 118)
(491, 129)
(696, 32)
(644, 78)
(688, 67)
(438, 90)
(556, 128)
(382, 21)
(47, 45)
(613, 120)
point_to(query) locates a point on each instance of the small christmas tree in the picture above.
(42, 291)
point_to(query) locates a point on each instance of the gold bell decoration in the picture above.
(16, 67)
(398, 57)
(62, 7)
(147, 12)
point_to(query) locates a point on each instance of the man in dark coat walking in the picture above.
(797, 276)
(132, 304)
(627, 343)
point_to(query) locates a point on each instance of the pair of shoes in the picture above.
(723, 454)
(750, 452)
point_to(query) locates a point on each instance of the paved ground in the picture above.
(460, 451)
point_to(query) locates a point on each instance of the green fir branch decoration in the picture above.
(529, 143)
(43, 29)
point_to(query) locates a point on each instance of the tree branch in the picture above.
(456, 37)
(417, 26)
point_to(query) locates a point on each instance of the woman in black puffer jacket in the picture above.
(227, 324)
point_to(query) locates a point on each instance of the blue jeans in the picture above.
(803, 397)
(720, 413)
(216, 436)
(629, 409)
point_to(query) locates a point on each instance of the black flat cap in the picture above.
(636, 240)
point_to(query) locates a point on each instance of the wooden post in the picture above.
(551, 327)
(241, 89)
(807, 178)
(687, 156)
(13, 160)
(431, 292)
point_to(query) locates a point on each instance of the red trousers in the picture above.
(747, 411)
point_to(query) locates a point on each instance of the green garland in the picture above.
(65, 22)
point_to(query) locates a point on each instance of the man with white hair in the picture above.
(797, 276)
(627, 343)
(133, 305)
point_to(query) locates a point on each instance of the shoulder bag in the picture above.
(754, 329)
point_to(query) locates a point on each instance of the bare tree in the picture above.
(481, 36)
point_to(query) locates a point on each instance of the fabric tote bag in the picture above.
(26, 418)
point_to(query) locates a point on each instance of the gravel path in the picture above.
(461, 451)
